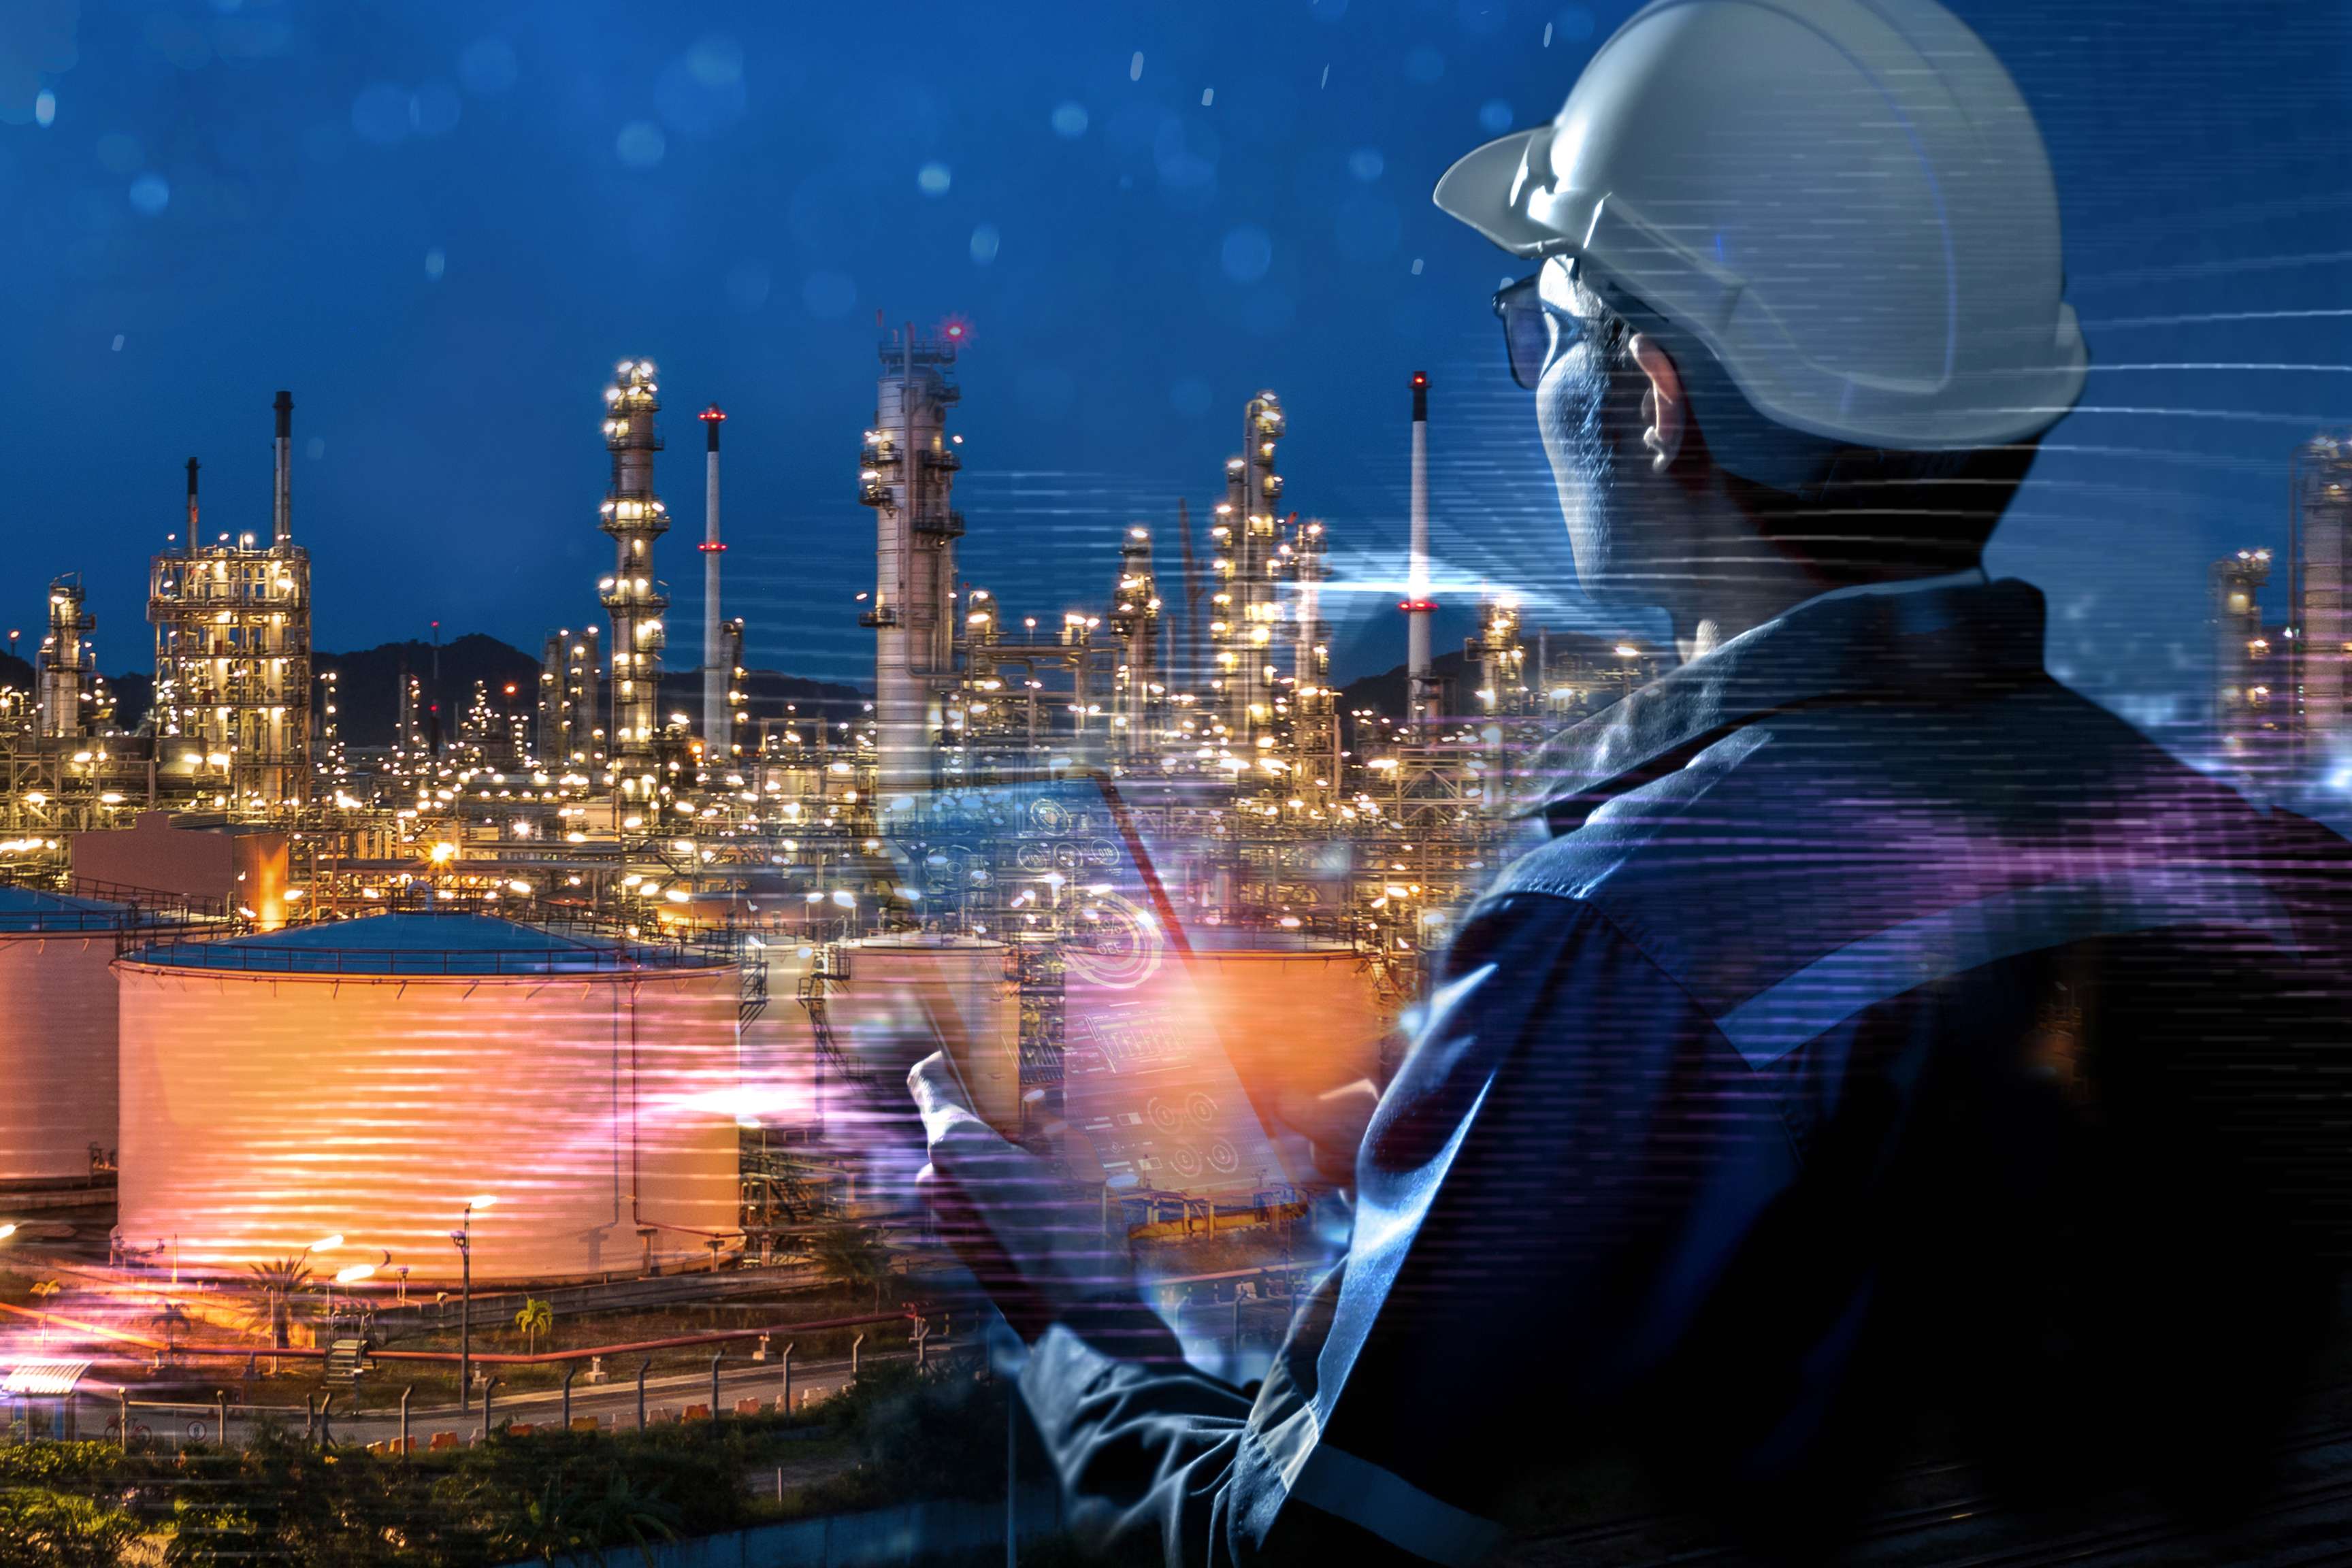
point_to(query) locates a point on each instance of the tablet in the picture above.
(1145, 1078)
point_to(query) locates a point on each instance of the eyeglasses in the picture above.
(1534, 332)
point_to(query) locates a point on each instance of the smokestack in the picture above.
(718, 742)
(282, 511)
(193, 466)
(1418, 606)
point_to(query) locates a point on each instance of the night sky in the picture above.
(441, 222)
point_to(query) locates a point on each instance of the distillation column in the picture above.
(635, 517)
(908, 476)
(1245, 605)
(233, 690)
(1313, 702)
(2242, 655)
(1134, 623)
(717, 731)
(65, 669)
(2321, 611)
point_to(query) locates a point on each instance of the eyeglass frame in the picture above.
(1564, 327)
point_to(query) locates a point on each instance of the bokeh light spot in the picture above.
(828, 295)
(640, 144)
(1247, 252)
(488, 67)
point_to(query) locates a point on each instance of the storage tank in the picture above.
(879, 997)
(57, 1076)
(1293, 1012)
(889, 991)
(777, 1047)
(366, 1079)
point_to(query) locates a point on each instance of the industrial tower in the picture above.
(633, 596)
(718, 668)
(1421, 690)
(65, 695)
(2247, 704)
(1314, 700)
(233, 654)
(1244, 607)
(906, 474)
(1137, 688)
(2320, 617)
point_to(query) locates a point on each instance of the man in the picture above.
(1885, 1038)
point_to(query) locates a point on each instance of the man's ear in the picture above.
(1664, 413)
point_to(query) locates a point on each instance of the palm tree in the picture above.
(536, 1317)
(854, 1254)
(280, 1281)
(173, 1322)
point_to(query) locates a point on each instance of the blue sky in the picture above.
(441, 223)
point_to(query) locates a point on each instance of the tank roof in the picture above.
(419, 944)
(30, 909)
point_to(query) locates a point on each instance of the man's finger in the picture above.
(1334, 1122)
(1337, 1117)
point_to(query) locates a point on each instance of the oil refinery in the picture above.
(653, 977)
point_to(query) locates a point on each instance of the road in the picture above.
(612, 1403)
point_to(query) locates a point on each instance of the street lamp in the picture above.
(324, 1244)
(351, 1276)
(462, 1239)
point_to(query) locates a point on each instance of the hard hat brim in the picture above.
(1480, 188)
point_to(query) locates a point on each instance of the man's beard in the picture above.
(1570, 405)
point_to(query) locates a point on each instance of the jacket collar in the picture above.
(1951, 637)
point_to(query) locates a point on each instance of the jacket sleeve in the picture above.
(1561, 1155)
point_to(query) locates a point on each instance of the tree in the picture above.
(280, 1281)
(854, 1254)
(173, 1322)
(536, 1317)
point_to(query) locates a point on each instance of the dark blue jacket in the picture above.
(1883, 1032)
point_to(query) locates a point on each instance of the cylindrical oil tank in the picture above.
(57, 1083)
(366, 1080)
(778, 1044)
(1294, 1014)
(899, 996)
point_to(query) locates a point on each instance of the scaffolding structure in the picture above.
(232, 619)
(907, 473)
(65, 693)
(2320, 561)
(1245, 605)
(635, 598)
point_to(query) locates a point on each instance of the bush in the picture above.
(43, 1528)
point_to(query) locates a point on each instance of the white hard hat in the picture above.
(1844, 202)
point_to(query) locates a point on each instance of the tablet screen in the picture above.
(1144, 1075)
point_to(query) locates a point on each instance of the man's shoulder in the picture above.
(1810, 828)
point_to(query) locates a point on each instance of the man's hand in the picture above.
(1333, 1123)
(1035, 1241)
